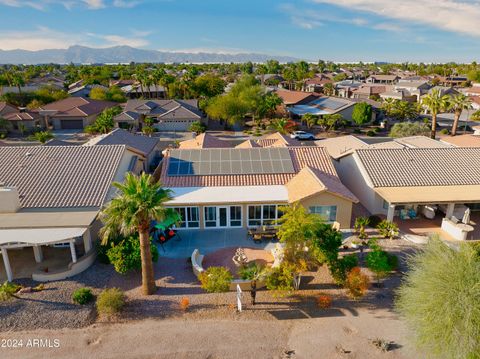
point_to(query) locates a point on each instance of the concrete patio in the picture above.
(207, 241)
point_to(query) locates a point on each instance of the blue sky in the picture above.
(339, 30)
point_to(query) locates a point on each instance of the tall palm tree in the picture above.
(140, 200)
(435, 102)
(459, 103)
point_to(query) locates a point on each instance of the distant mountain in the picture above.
(125, 54)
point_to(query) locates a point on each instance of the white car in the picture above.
(302, 135)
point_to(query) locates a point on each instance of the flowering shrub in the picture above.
(324, 301)
(356, 283)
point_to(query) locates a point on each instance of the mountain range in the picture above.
(126, 54)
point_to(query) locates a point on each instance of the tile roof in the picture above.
(421, 166)
(315, 157)
(22, 116)
(165, 108)
(276, 139)
(60, 176)
(143, 144)
(6, 108)
(294, 97)
(248, 144)
(420, 142)
(204, 140)
(77, 107)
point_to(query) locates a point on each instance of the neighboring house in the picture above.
(325, 106)
(146, 148)
(245, 187)
(345, 88)
(84, 90)
(444, 90)
(368, 91)
(450, 81)
(393, 182)
(6, 108)
(73, 112)
(51, 196)
(315, 84)
(467, 140)
(405, 90)
(136, 91)
(29, 119)
(292, 98)
(474, 90)
(168, 115)
(204, 140)
(382, 79)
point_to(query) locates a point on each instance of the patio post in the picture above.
(74, 253)
(391, 212)
(6, 262)
(87, 241)
(37, 252)
(450, 209)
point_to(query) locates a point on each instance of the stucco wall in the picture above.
(344, 207)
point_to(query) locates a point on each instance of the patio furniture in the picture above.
(264, 232)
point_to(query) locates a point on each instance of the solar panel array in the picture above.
(330, 103)
(229, 161)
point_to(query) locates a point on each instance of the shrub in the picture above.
(444, 131)
(281, 278)
(326, 243)
(405, 129)
(324, 301)
(197, 127)
(360, 224)
(371, 133)
(373, 221)
(8, 290)
(340, 267)
(439, 300)
(250, 271)
(381, 263)
(184, 303)
(357, 131)
(125, 256)
(377, 129)
(110, 301)
(356, 283)
(82, 296)
(382, 344)
(216, 279)
(387, 229)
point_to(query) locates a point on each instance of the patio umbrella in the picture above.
(466, 216)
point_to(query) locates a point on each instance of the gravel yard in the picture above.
(53, 308)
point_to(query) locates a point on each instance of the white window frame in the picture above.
(261, 219)
(237, 219)
(205, 219)
(188, 220)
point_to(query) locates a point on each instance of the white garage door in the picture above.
(177, 125)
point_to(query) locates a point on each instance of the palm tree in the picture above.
(310, 119)
(388, 106)
(435, 102)
(42, 136)
(140, 200)
(282, 125)
(459, 103)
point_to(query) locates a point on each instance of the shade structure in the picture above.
(39, 236)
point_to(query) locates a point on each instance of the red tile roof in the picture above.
(312, 156)
(295, 97)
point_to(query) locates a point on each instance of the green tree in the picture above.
(328, 89)
(125, 255)
(406, 129)
(310, 119)
(282, 125)
(104, 123)
(360, 225)
(459, 103)
(140, 200)
(270, 103)
(332, 121)
(98, 93)
(208, 85)
(5, 126)
(439, 299)
(380, 262)
(42, 136)
(197, 127)
(387, 229)
(435, 102)
(362, 113)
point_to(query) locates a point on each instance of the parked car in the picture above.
(302, 135)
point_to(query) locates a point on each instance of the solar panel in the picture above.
(226, 161)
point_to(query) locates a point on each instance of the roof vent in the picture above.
(28, 154)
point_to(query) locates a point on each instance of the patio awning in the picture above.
(228, 194)
(39, 236)
(430, 194)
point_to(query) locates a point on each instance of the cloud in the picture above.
(71, 4)
(125, 3)
(94, 4)
(450, 15)
(38, 5)
(45, 38)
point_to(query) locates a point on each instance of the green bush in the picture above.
(216, 279)
(250, 272)
(377, 129)
(387, 229)
(381, 262)
(125, 256)
(8, 290)
(110, 301)
(444, 131)
(340, 267)
(439, 298)
(82, 296)
(197, 127)
(371, 133)
(281, 278)
(326, 243)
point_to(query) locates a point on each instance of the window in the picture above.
(266, 214)
(385, 204)
(235, 216)
(189, 216)
(254, 215)
(328, 213)
(210, 216)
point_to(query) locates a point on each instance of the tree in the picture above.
(98, 93)
(140, 200)
(360, 224)
(282, 125)
(362, 113)
(197, 127)
(403, 110)
(435, 102)
(270, 103)
(207, 86)
(388, 106)
(104, 123)
(406, 129)
(380, 262)
(331, 121)
(5, 126)
(439, 299)
(42, 136)
(328, 89)
(459, 103)
(310, 119)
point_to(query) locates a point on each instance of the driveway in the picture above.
(207, 241)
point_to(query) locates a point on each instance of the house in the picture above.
(326, 105)
(146, 148)
(73, 112)
(408, 182)
(50, 198)
(345, 88)
(382, 79)
(6, 108)
(136, 91)
(368, 91)
(204, 140)
(474, 90)
(84, 90)
(444, 90)
(315, 84)
(167, 115)
(292, 98)
(410, 91)
(246, 187)
(452, 81)
(29, 119)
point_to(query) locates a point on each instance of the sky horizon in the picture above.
(336, 30)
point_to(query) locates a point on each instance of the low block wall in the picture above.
(72, 270)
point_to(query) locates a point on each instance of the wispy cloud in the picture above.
(459, 16)
(71, 4)
(46, 38)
